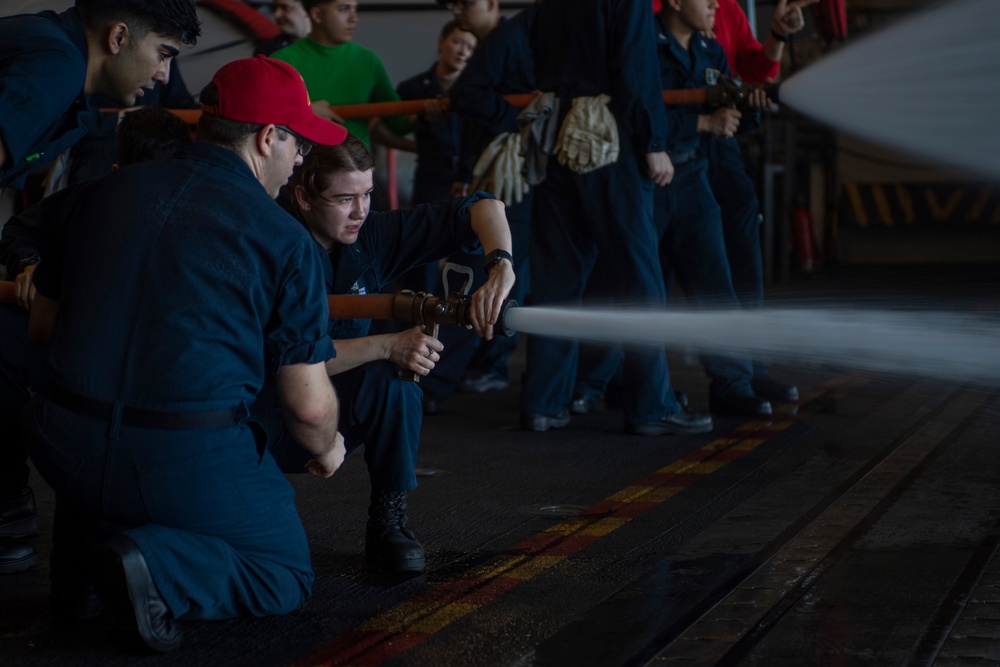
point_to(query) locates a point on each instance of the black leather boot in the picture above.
(16, 555)
(17, 514)
(389, 544)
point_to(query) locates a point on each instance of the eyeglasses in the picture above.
(302, 147)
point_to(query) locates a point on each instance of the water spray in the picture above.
(927, 85)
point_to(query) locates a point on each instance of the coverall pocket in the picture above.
(196, 494)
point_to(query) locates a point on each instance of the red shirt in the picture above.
(745, 54)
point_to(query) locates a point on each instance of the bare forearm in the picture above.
(318, 438)
(489, 222)
(773, 49)
(354, 352)
(311, 407)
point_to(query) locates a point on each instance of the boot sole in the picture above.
(19, 565)
(414, 565)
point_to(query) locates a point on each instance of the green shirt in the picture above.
(344, 74)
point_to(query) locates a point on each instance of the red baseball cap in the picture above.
(263, 90)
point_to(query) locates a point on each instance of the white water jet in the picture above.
(928, 85)
(937, 344)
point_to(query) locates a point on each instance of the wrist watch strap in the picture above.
(495, 257)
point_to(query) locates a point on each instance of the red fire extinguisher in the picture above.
(803, 241)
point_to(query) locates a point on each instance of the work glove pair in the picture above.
(588, 138)
(498, 169)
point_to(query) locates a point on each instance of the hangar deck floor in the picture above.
(859, 527)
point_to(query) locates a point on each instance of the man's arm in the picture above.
(311, 413)
(3, 155)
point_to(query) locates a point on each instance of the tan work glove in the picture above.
(588, 138)
(498, 169)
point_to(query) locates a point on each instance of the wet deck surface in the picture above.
(859, 526)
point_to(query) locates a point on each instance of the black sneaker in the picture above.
(582, 405)
(530, 422)
(483, 382)
(679, 423)
(390, 545)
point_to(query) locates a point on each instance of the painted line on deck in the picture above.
(408, 624)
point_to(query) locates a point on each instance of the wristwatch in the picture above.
(495, 257)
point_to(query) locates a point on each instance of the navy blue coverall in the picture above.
(693, 245)
(43, 110)
(687, 217)
(377, 409)
(502, 64)
(601, 221)
(183, 310)
(737, 197)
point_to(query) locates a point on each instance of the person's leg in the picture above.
(619, 202)
(696, 250)
(383, 413)
(596, 367)
(212, 516)
(737, 197)
(569, 258)
(22, 367)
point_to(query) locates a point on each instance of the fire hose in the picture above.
(427, 310)
(726, 93)
(407, 306)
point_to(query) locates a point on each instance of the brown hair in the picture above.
(324, 162)
(450, 27)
